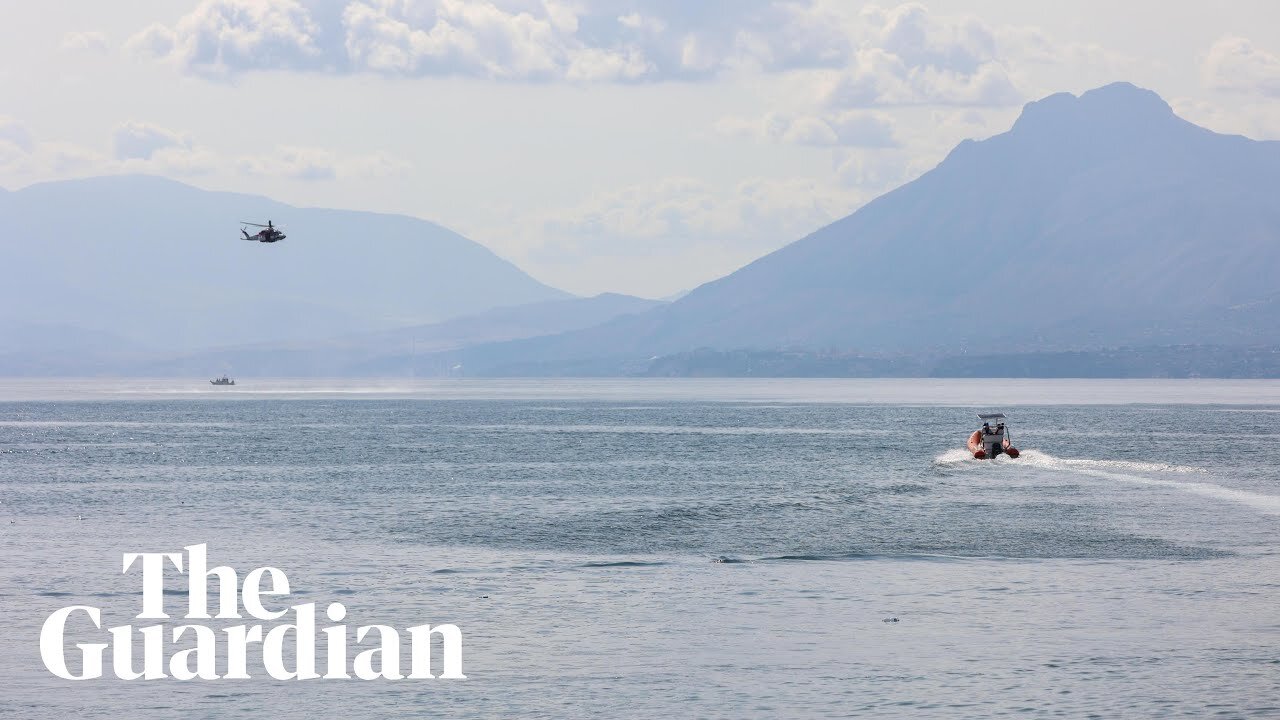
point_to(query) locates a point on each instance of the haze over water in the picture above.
(676, 548)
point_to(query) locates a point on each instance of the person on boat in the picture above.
(988, 442)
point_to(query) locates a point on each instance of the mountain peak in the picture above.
(1103, 218)
(1120, 106)
(1126, 97)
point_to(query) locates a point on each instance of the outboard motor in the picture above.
(993, 440)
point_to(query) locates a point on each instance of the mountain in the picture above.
(160, 264)
(53, 350)
(526, 321)
(1096, 220)
(399, 352)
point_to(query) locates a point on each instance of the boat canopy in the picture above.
(991, 416)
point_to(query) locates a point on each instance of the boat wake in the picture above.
(1141, 473)
(957, 456)
(1045, 460)
(1126, 471)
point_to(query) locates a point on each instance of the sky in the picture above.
(637, 146)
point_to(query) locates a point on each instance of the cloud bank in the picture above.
(872, 56)
(1233, 63)
(141, 147)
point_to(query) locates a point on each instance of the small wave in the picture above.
(672, 430)
(907, 489)
(239, 391)
(621, 564)
(844, 557)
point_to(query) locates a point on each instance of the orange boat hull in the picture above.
(980, 453)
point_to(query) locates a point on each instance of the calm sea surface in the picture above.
(646, 549)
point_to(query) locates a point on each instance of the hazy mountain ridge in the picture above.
(399, 352)
(403, 351)
(161, 263)
(1096, 221)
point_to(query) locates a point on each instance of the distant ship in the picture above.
(224, 380)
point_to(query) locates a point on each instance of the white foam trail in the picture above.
(953, 457)
(1042, 459)
(961, 456)
(1269, 504)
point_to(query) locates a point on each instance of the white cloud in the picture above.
(807, 35)
(91, 41)
(778, 211)
(673, 207)
(176, 161)
(495, 40)
(139, 147)
(669, 235)
(948, 126)
(863, 129)
(921, 39)
(877, 172)
(1259, 120)
(314, 164)
(803, 130)
(756, 213)
(1233, 63)
(377, 165)
(846, 128)
(880, 78)
(15, 133)
(137, 140)
(905, 55)
(155, 40)
(22, 155)
(296, 163)
(902, 55)
(642, 23)
(225, 36)
(593, 64)
(67, 158)
(49, 159)
(11, 156)
(697, 54)
(145, 148)
(467, 37)
(1031, 45)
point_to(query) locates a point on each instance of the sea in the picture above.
(668, 548)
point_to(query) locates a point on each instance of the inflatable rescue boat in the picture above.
(991, 440)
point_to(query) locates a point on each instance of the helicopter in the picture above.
(268, 234)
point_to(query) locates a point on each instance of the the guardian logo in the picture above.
(380, 658)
